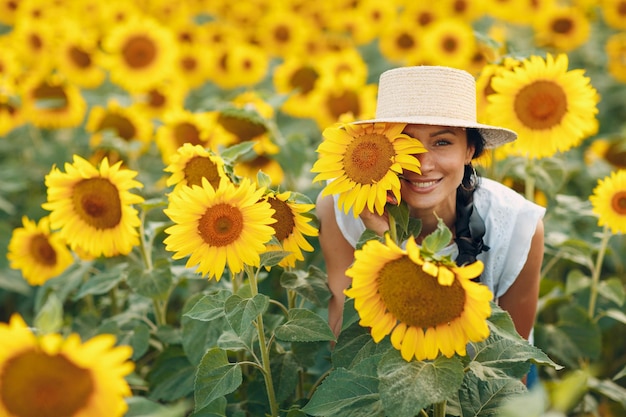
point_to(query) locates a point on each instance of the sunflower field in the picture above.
(159, 169)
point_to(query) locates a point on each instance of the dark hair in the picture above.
(469, 227)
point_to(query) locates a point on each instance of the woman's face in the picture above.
(442, 166)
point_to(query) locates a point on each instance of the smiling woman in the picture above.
(431, 112)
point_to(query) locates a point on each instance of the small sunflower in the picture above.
(236, 125)
(562, 28)
(92, 207)
(52, 376)
(250, 167)
(79, 57)
(219, 227)
(343, 102)
(282, 33)
(194, 64)
(239, 64)
(426, 306)
(11, 114)
(140, 53)
(363, 162)
(552, 109)
(128, 123)
(191, 164)
(615, 48)
(38, 252)
(402, 42)
(183, 126)
(449, 42)
(161, 98)
(614, 13)
(609, 201)
(53, 103)
(291, 226)
(296, 79)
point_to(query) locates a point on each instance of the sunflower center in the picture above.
(97, 202)
(187, 133)
(405, 41)
(345, 103)
(562, 26)
(541, 105)
(243, 129)
(156, 100)
(139, 52)
(189, 64)
(221, 225)
(285, 223)
(119, 124)
(200, 167)
(304, 80)
(416, 298)
(618, 203)
(449, 44)
(53, 96)
(368, 158)
(35, 384)
(79, 57)
(42, 251)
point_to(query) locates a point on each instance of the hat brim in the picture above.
(493, 136)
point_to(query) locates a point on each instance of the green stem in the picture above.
(595, 278)
(440, 409)
(263, 347)
(423, 413)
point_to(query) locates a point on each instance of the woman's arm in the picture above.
(338, 256)
(520, 300)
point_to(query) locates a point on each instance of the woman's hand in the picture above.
(378, 223)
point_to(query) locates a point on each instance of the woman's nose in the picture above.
(426, 161)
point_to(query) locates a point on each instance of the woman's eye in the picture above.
(442, 142)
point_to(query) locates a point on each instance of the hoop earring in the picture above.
(472, 180)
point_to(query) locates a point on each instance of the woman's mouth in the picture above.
(419, 184)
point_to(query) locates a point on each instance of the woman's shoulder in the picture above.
(493, 195)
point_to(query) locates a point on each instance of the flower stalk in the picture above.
(595, 277)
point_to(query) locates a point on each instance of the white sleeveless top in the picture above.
(510, 223)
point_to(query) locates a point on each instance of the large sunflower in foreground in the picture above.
(363, 162)
(92, 207)
(52, 376)
(552, 109)
(39, 253)
(609, 201)
(216, 227)
(427, 307)
(291, 227)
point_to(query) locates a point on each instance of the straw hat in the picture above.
(433, 95)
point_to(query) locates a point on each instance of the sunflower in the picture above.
(343, 102)
(291, 226)
(180, 127)
(426, 306)
(296, 78)
(8, 12)
(140, 53)
(402, 42)
(11, 114)
(39, 253)
(609, 201)
(161, 98)
(282, 33)
(219, 227)
(615, 48)
(191, 164)
(53, 103)
(194, 64)
(614, 13)
(363, 161)
(236, 125)
(52, 376)
(127, 123)
(79, 56)
(562, 28)
(552, 109)
(239, 64)
(92, 207)
(250, 167)
(449, 42)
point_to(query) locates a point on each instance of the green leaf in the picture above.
(304, 326)
(242, 313)
(613, 290)
(216, 409)
(216, 377)
(311, 284)
(232, 153)
(480, 398)
(273, 257)
(609, 389)
(437, 240)
(143, 407)
(171, 376)
(285, 374)
(209, 307)
(103, 282)
(199, 335)
(49, 318)
(154, 283)
(346, 393)
(407, 387)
